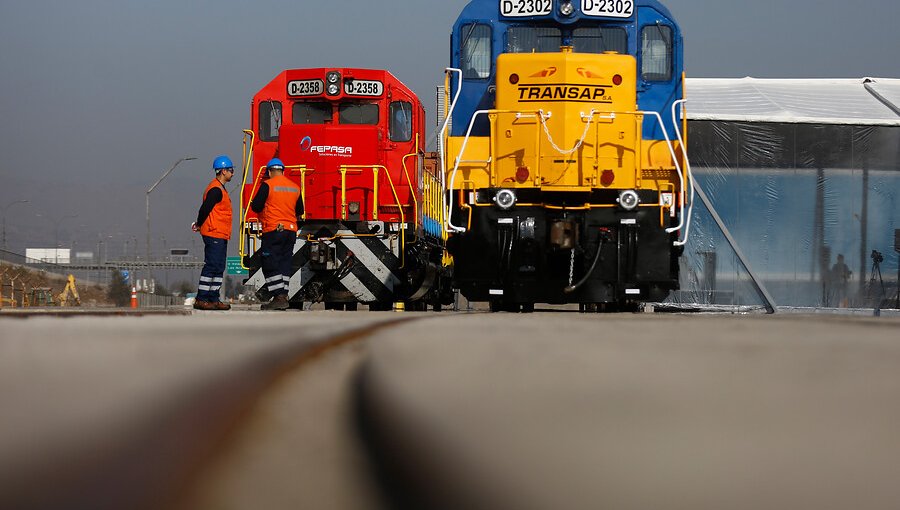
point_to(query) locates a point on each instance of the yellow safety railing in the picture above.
(256, 180)
(411, 186)
(247, 157)
(375, 169)
(491, 161)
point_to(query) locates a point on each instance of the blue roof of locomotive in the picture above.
(490, 9)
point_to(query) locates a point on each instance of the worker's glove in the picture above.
(194, 227)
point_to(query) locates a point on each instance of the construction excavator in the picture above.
(69, 295)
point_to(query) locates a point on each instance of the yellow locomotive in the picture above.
(564, 184)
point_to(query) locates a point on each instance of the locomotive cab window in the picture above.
(533, 39)
(656, 53)
(358, 113)
(401, 121)
(311, 113)
(269, 120)
(475, 51)
(600, 39)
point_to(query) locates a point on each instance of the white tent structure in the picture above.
(800, 171)
(862, 101)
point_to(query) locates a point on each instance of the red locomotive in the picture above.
(372, 228)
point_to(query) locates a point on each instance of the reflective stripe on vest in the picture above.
(281, 204)
(218, 223)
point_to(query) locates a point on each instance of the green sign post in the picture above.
(233, 266)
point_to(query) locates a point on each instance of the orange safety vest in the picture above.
(218, 223)
(280, 205)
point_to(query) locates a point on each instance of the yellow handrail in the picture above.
(244, 212)
(247, 157)
(375, 168)
(413, 193)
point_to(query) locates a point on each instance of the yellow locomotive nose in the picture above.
(556, 119)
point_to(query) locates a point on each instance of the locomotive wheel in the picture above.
(351, 307)
(295, 305)
(527, 307)
(332, 305)
(380, 306)
(496, 305)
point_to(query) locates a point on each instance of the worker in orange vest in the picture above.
(214, 224)
(279, 206)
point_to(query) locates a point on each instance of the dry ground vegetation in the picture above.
(91, 294)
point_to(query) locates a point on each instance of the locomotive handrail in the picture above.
(690, 176)
(406, 171)
(247, 158)
(445, 207)
(375, 168)
(589, 116)
(462, 150)
(674, 160)
(244, 212)
(303, 171)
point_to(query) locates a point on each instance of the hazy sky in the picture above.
(99, 98)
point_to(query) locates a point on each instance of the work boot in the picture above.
(221, 306)
(279, 302)
(203, 305)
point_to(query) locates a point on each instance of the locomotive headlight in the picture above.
(505, 198)
(628, 199)
(333, 78)
(566, 8)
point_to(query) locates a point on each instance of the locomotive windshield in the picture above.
(600, 39)
(358, 113)
(312, 113)
(400, 121)
(656, 53)
(533, 39)
(476, 51)
(549, 39)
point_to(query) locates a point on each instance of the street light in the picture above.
(5, 208)
(189, 158)
(56, 242)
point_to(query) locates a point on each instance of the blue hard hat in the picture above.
(275, 164)
(221, 163)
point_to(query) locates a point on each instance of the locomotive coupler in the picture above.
(563, 234)
(323, 255)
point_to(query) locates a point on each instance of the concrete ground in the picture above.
(376, 410)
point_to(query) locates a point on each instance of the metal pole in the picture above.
(6, 208)
(56, 240)
(149, 269)
(770, 305)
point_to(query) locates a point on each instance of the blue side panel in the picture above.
(476, 94)
(659, 96)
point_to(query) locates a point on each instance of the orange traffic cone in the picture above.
(134, 303)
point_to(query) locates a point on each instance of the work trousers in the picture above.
(277, 250)
(210, 286)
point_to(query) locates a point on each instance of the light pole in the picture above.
(56, 242)
(189, 158)
(5, 208)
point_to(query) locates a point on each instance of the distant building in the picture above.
(47, 255)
